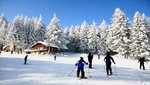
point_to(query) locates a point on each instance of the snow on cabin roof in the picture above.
(11, 45)
(44, 43)
(53, 45)
(39, 42)
(47, 44)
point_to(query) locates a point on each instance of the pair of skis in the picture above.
(86, 77)
(82, 78)
(111, 75)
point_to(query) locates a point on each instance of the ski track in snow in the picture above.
(43, 70)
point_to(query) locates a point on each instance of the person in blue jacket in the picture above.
(108, 59)
(80, 65)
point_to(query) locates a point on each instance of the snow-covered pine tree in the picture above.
(140, 41)
(55, 34)
(22, 31)
(93, 38)
(16, 33)
(148, 22)
(102, 47)
(39, 30)
(3, 30)
(71, 44)
(32, 34)
(146, 40)
(66, 31)
(29, 32)
(77, 38)
(118, 34)
(84, 31)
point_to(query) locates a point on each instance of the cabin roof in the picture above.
(47, 44)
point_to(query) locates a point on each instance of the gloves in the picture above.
(76, 64)
(86, 63)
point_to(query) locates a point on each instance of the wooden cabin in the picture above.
(9, 47)
(42, 48)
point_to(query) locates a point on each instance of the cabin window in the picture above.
(40, 48)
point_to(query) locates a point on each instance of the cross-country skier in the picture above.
(90, 58)
(142, 60)
(0, 52)
(55, 57)
(25, 59)
(108, 59)
(80, 65)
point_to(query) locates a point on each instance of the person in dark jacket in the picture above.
(55, 57)
(80, 65)
(142, 60)
(25, 59)
(90, 58)
(0, 52)
(108, 59)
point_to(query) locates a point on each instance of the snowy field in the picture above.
(43, 70)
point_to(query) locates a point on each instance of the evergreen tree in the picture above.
(55, 34)
(66, 31)
(71, 44)
(84, 37)
(77, 38)
(25, 32)
(140, 42)
(118, 34)
(16, 33)
(3, 30)
(148, 22)
(102, 47)
(39, 30)
(93, 38)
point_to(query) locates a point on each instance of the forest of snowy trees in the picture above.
(130, 39)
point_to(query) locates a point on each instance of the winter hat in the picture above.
(81, 58)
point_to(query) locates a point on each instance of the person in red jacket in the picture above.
(98, 55)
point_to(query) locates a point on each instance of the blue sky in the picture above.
(73, 12)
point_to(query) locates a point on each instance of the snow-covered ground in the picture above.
(43, 70)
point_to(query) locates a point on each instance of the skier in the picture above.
(0, 52)
(108, 60)
(80, 65)
(25, 59)
(142, 60)
(99, 55)
(11, 52)
(90, 58)
(55, 57)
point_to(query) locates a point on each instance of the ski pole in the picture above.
(104, 69)
(89, 72)
(115, 69)
(148, 65)
(72, 70)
